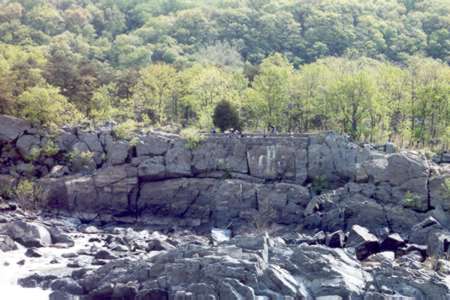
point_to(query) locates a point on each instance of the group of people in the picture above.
(230, 132)
(236, 132)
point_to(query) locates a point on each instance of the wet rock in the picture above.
(36, 280)
(27, 234)
(104, 254)
(7, 244)
(67, 285)
(58, 295)
(89, 229)
(32, 252)
(158, 245)
(60, 238)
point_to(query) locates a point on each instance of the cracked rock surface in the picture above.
(311, 216)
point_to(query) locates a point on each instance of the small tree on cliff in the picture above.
(226, 116)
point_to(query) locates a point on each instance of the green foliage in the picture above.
(411, 199)
(192, 136)
(376, 70)
(125, 130)
(27, 193)
(49, 149)
(80, 158)
(226, 116)
(46, 106)
(34, 154)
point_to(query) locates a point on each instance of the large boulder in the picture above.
(363, 241)
(152, 145)
(117, 153)
(327, 271)
(27, 234)
(26, 143)
(7, 243)
(11, 128)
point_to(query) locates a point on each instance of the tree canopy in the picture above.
(376, 70)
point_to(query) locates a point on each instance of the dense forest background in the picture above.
(376, 70)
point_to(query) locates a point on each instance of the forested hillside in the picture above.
(376, 70)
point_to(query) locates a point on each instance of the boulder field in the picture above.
(310, 216)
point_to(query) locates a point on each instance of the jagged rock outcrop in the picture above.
(319, 181)
(345, 220)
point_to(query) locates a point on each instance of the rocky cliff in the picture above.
(311, 189)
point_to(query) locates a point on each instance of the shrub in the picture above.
(125, 130)
(192, 136)
(46, 106)
(80, 160)
(410, 199)
(50, 149)
(27, 193)
(226, 116)
(35, 153)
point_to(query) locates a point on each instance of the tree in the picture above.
(156, 93)
(226, 116)
(204, 87)
(269, 95)
(47, 107)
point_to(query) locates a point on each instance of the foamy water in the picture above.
(9, 274)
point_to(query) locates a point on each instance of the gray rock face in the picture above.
(320, 189)
(152, 168)
(364, 242)
(178, 161)
(227, 155)
(92, 141)
(11, 128)
(26, 143)
(330, 271)
(117, 153)
(272, 162)
(152, 145)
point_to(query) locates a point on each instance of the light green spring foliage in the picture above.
(47, 107)
(126, 130)
(192, 136)
(376, 70)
